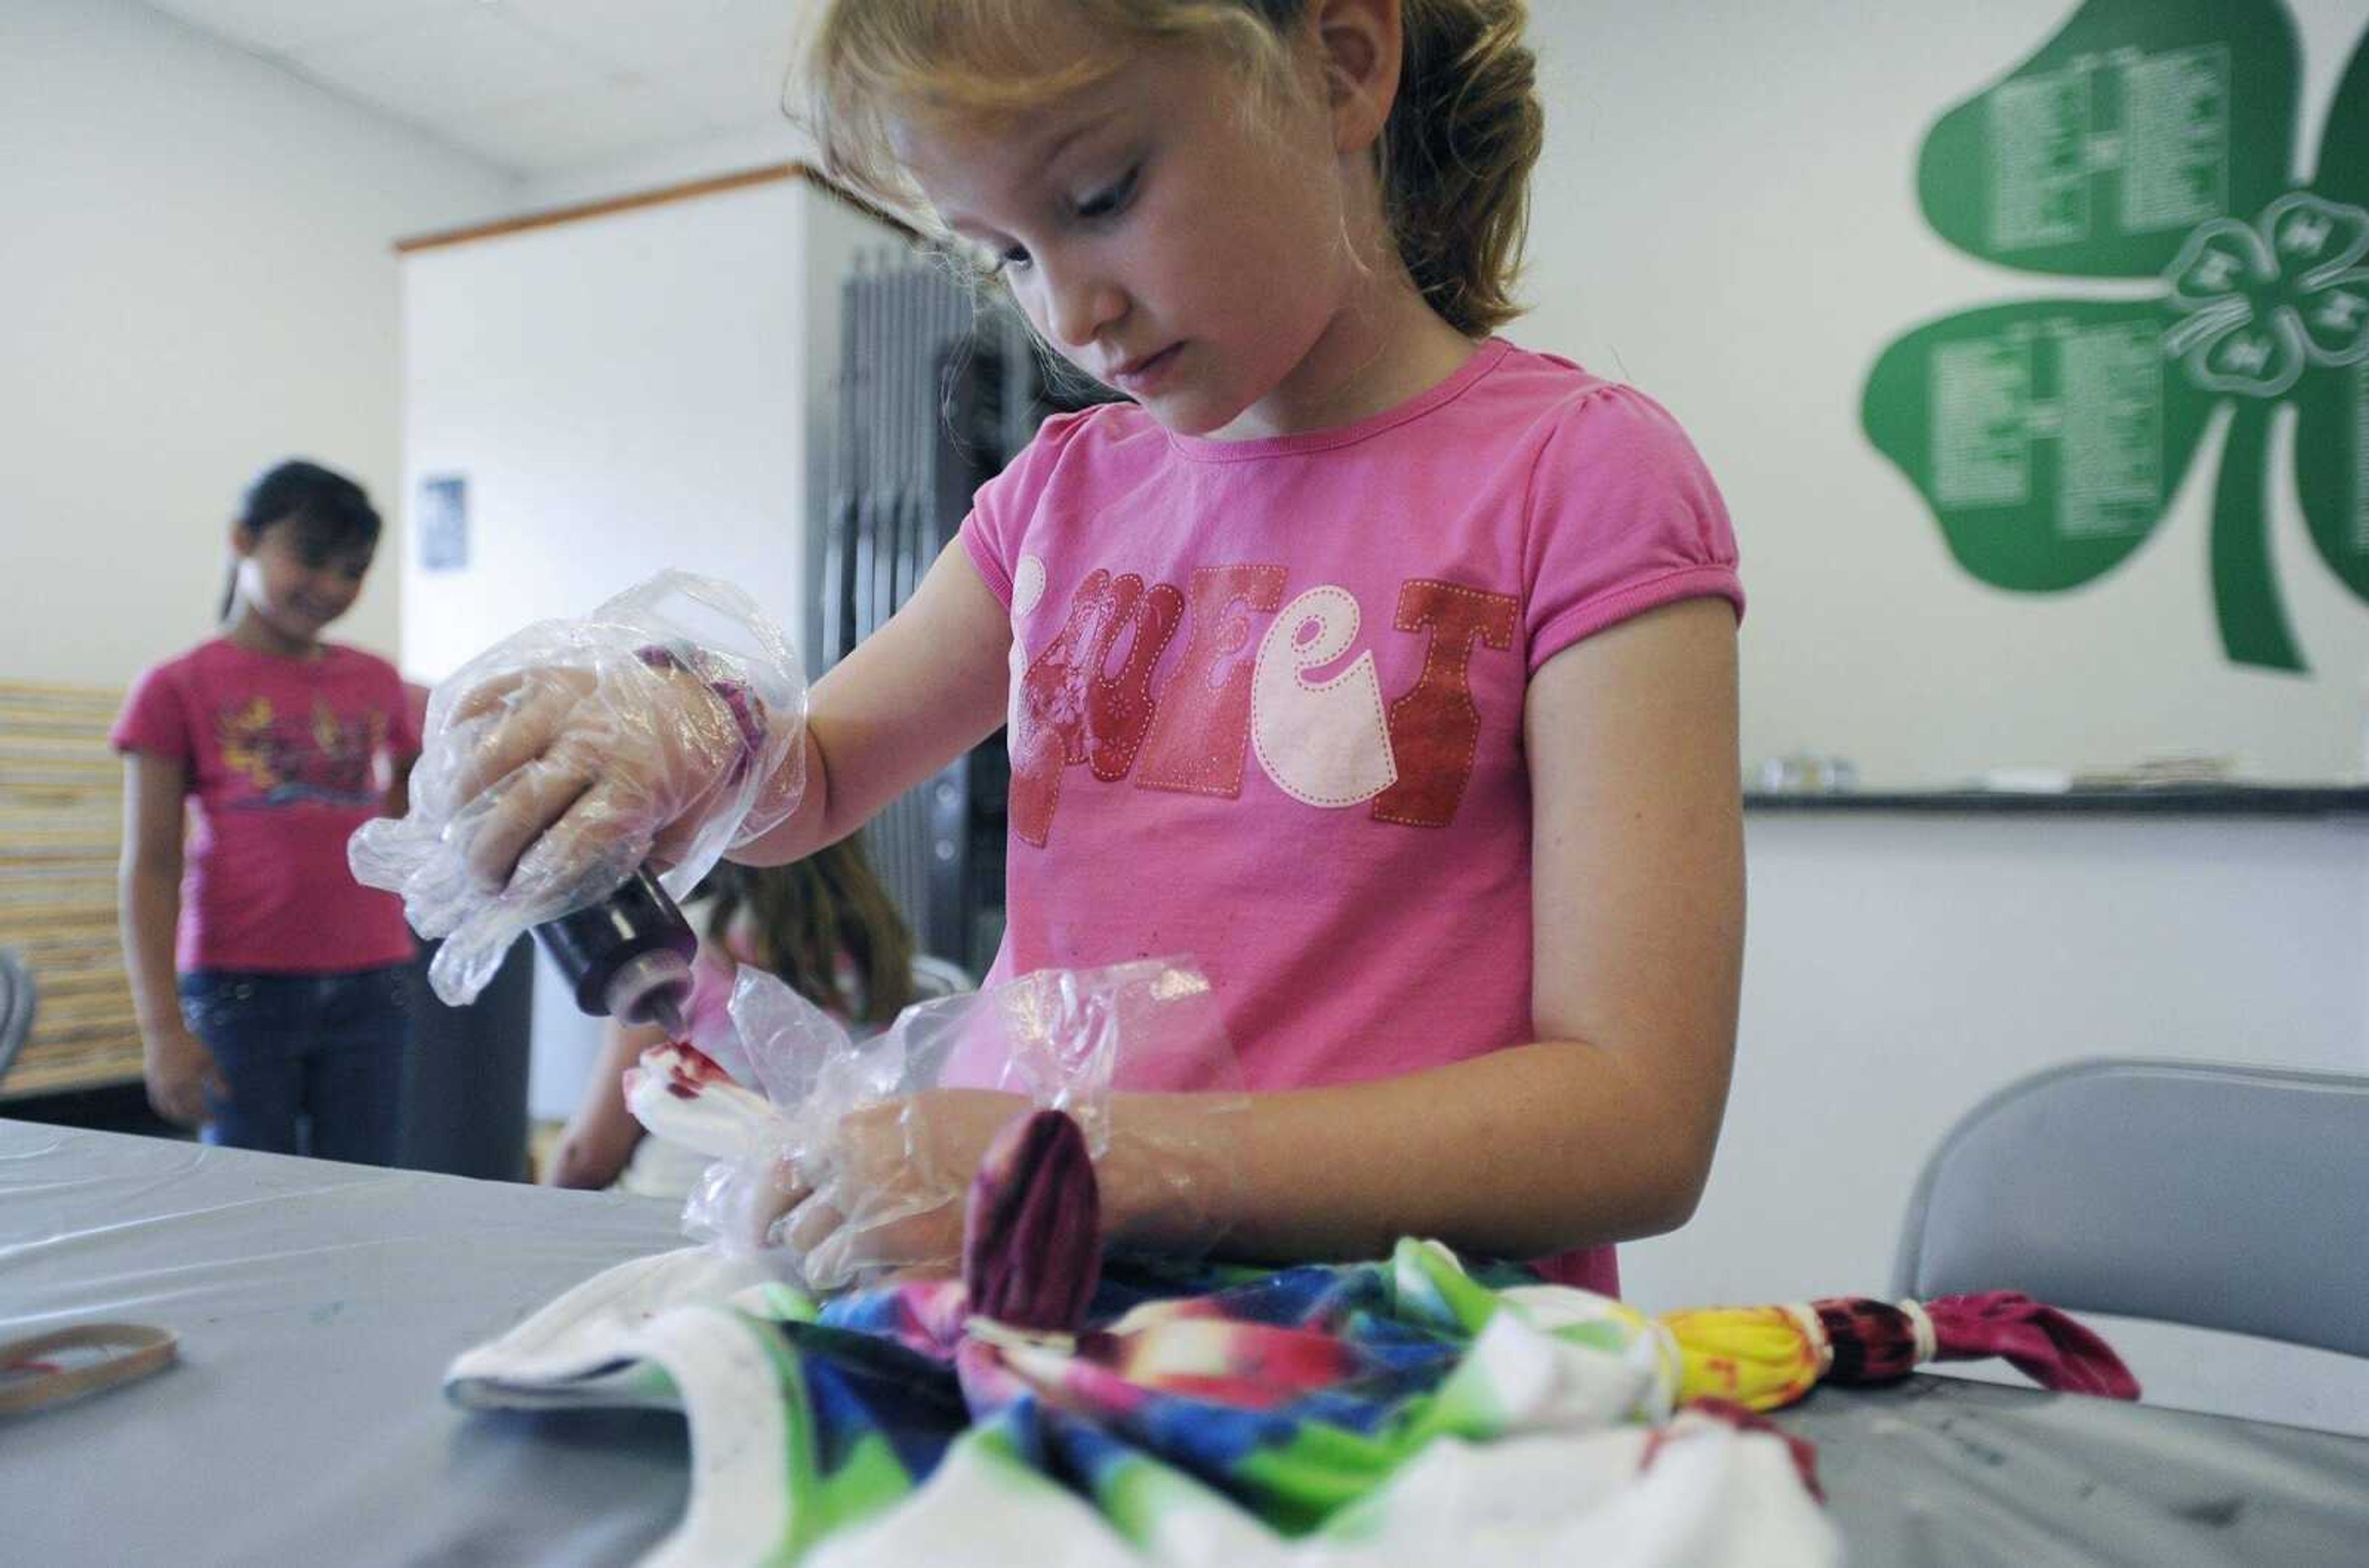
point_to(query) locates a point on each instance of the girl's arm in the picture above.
(398, 790)
(601, 1136)
(918, 692)
(1603, 1128)
(176, 1065)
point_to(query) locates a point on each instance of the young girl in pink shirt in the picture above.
(1385, 667)
(269, 985)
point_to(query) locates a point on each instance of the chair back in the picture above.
(18, 1000)
(2218, 1196)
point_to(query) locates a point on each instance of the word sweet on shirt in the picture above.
(1334, 742)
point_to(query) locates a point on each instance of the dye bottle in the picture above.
(627, 957)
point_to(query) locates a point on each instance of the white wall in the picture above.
(623, 393)
(1727, 219)
(199, 282)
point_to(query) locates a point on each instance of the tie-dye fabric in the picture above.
(1344, 1414)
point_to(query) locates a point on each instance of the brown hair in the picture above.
(1456, 155)
(805, 915)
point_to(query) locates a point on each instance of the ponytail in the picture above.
(1457, 155)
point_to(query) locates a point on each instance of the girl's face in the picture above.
(293, 583)
(1167, 233)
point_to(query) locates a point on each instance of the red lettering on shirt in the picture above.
(1049, 721)
(1201, 733)
(1119, 707)
(1069, 711)
(1435, 728)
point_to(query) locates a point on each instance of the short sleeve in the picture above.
(156, 717)
(1002, 509)
(1623, 518)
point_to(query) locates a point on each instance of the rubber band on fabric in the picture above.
(1929, 1343)
(28, 1383)
(1805, 1318)
(988, 1331)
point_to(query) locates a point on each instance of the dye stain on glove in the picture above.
(687, 1070)
(1032, 1233)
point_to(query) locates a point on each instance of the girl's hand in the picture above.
(893, 1196)
(557, 762)
(555, 768)
(180, 1073)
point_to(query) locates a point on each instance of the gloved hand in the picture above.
(886, 1190)
(857, 1155)
(886, 1193)
(668, 726)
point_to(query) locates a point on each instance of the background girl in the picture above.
(287, 1025)
(825, 925)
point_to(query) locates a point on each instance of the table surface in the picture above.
(317, 1305)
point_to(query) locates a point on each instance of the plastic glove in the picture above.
(680, 1093)
(890, 1185)
(668, 726)
(859, 1153)
(888, 1190)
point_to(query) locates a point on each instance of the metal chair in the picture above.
(2215, 1196)
(19, 999)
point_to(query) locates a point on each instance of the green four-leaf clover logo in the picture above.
(2151, 142)
(2263, 302)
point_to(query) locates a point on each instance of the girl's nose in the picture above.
(1082, 308)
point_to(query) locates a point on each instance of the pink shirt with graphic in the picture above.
(1266, 698)
(285, 758)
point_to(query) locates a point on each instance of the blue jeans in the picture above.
(313, 1062)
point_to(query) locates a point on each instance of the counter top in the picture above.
(2166, 800)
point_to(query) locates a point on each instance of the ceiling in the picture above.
(537, 86)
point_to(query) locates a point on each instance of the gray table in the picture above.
(317, 1306)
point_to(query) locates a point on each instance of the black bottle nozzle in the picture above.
(627, 957)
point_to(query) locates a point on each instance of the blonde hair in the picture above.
(1455, 158)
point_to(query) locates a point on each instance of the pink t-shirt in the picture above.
(1266, 697)
(286, 757)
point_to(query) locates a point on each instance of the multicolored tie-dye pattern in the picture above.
(1290, 1392)
(1286, 1397)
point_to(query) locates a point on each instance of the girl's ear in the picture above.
(242, 539)
(1361, 42)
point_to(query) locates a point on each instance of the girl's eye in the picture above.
(1107, 202)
